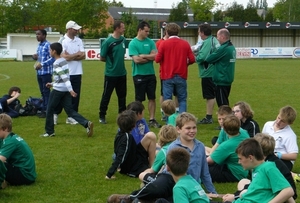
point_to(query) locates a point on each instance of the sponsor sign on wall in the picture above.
(8, 53)
(94, 54)
(268, 52)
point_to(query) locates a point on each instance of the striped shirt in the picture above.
(61, 78)
(43, 52)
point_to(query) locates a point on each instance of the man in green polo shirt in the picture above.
(16, 155)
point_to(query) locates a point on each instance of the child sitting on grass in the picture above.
(186, 189)
(10, 102)
(130, 159)
(243, 111)
(166, 136)
(268, 184)
(16, 157)
(62, 93)
(169, 108)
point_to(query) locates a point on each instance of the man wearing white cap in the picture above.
(74, 53)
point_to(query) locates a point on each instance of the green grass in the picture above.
(72, 167)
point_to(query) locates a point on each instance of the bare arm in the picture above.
(214, 148)
(17, 94)
(283, 195)
(290, 157)
(139, 60)
(102, 59)
(3, 158)
(150, 57)
(209, 160)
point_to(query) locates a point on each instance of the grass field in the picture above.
(72, 167)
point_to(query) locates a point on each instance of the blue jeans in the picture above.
(45, 92)
(64, 99)
(180, 86)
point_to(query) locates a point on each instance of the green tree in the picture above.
(270, 17)
(235, 11)
(218, 15)
(287, 10)
(250, 13)
(131, 22)
(178, 13)
(202, 9)
(116, 4)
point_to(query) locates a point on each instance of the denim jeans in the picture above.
(45, 91)
(180, 86)
(65, 99)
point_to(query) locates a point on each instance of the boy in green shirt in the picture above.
(16, 155)
(169, 108)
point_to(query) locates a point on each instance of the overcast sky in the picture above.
(168, 3)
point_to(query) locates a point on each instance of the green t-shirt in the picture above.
(18, 154)
(160, 158)
(209, 45)
(172, 119)
(137, 47)
(267, 182)
(113, 50)
(223, 136)
(188, 190)
(225, 154)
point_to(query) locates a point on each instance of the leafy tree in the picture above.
(287, 10)
(116, 4)
(270, 17)
(250, 14)
(131, 22)
(202, 9)
(235, 11)
(218, 15)
(178, 13)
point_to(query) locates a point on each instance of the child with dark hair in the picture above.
(141, 132)
(62, 93)
(10, 102)
(268, 184)
(131, 159)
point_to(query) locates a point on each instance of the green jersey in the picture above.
(209, 45)
(18, 154)
(188, 190)
(113, 50)
(225, 154)
(224, 64)
(137, 47)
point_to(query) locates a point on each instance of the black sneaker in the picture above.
(205, 121)
(102, 121)
(42, 115)
(154, 123)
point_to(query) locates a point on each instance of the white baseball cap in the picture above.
(73, 25)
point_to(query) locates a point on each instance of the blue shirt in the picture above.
(43, 52)
(141, 128)
(198, 167)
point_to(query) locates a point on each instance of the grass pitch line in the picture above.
(4, 77)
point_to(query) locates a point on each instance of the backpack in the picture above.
(31, 107)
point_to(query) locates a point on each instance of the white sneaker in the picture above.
(55, 117)
(47, 135)
(89, 129)
(71, 121)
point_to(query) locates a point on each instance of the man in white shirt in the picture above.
(74, 53)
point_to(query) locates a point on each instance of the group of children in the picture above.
(238, 153)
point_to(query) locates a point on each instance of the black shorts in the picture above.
(141, 163)
(222, 95)
(144, 84)
(161, 89)
(208, 88)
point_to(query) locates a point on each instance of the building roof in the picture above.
(157, 14)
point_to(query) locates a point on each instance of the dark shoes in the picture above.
(153, 123)
(205, 121)
(41, 114)
(102, 120)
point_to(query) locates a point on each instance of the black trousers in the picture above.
(221, 174)
(15, 177)
(222, 95)
(161, 187)
(110, 83)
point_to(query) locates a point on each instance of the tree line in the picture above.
(30, 15)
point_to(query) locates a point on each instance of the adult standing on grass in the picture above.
(74, 53)
(16, 155)
(112, 52)
(44, 68)
(174, 70)
(209, 45)
(143, 51)
(224, 63)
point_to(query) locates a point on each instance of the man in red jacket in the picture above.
(174, 56)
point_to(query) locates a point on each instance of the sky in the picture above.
(168, 3)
